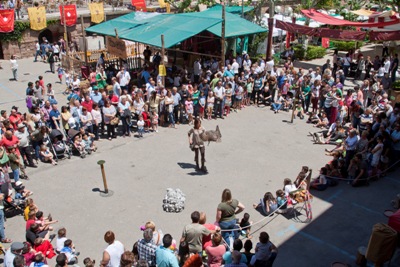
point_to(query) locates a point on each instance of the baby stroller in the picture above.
(72, 133)
(57, 145)
(12, 207)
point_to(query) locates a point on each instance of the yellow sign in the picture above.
(37, 18)
(166, 5)
(116, 47)
(162, 71)
(96, 12)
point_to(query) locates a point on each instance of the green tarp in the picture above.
(237, 9)
(147, 28)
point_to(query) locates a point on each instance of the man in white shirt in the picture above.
(235, 67)
(197, 70)
(386, 65)
(15, 249)
(269, 65)
(124, 78)
(219, 94)
(38, 52)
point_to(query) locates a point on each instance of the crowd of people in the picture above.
(363, 124)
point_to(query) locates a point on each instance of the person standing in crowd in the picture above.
(226, 215)
(3, 239)
(112, 254)
(165, 257)
(124, 78)
(38, 51)
(394, 67)
(14, 67)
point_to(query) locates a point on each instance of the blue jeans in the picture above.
(38, 53)
(16, 175)
(2, 234)
(229, 225)
(171, 118)
(276, 106)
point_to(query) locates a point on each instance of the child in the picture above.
(61, 237)
(281, 201)
(245, 223)
(189, 109)
(248, 246)
(79, 145)
(44, 222)
(228, 99)
(264, 251)
(60, 72)
(14, 162)
(39, 260)
(88, 142)
(69, 251)
(88, 262)
(50, 93)
(210, 104)
(238, 97)
(202, 102)
(140, 125)
(299, 112)
(20, 191)
(154, 121)
(44, 247)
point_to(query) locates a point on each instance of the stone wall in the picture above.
(27, 46)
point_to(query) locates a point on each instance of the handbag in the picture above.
(191, 146)
(3, 156)
(114, 121)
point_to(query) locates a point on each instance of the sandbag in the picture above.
(174, 200)
(382, 243)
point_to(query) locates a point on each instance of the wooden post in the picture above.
(84, 41)
(103, 174)
(223, 36)
(162, 56)
(66, 38)
(270, 29)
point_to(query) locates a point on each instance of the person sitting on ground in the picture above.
(45, 247)
(267, 205)
(46, 155)
(298, 112)
(245, 225)
(265, 252)
(323, 121)
(320, 183)
(39, 260)
(281, 201)
(288, 186)
(61, 238)
(69, 251)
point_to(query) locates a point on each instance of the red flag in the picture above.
(7, 20)
(288, 36)
(70, 14)
(139, 4)
(325, 42)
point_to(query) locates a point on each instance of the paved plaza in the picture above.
(258, 150)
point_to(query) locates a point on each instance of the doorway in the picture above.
(47, 34)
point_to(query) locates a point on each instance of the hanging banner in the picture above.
(140, 5)
(7, 20)
(96, 12)
(325, 42)
(70, 15)
(37, 18)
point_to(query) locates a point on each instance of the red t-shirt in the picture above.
(6, 143)
(29, 223)
(15, 120)
(88, 105)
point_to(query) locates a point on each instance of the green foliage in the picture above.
(396, 85)
(312, 52)
(16, 35)
(315, 52)
(346, 45)
(256, 40)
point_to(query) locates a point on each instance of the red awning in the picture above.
(321, 32)
(294, 28)
(327, 19)
(341, 34)
(384, 36)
